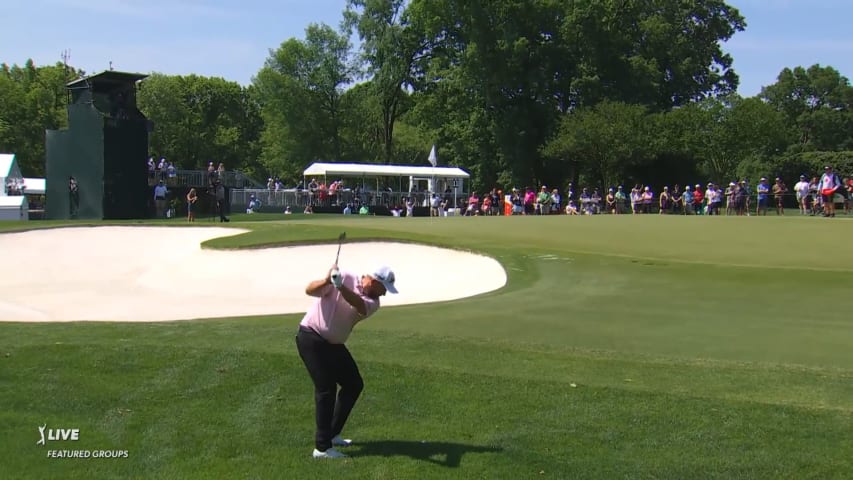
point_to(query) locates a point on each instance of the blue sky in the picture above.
(232, 39)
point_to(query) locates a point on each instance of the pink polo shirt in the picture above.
(332, 317)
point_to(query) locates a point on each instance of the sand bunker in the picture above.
(161, 273)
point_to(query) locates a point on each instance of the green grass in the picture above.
(622, 347)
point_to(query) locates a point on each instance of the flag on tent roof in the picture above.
(432, 158)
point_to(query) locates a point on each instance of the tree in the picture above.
(388, 47)
(517, 65)
(720, 133)
(605, 141)
(201, 119)
(299, 90)
(819, 102)
(33, 100)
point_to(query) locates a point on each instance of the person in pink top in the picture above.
(343, 300)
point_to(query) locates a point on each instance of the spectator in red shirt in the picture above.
(698, 198)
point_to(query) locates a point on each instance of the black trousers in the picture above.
(329, 365)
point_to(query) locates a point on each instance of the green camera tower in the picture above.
(105, 149)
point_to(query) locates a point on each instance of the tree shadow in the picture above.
(440, 453)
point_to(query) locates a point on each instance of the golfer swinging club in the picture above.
(342, 301)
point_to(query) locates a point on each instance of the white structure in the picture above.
(9, 171)
(13, 187)
(437, 179)
(14, 208)
(35, 186)
(421, 179)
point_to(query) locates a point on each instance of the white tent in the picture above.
(34, 186)
(14, 208)
(450, 175)
(9, 172)
(376, 170)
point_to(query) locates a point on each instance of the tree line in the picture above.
(517, 92)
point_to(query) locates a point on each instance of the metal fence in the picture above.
(240, 197)
(200, 178)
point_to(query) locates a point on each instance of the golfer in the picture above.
(343, 299)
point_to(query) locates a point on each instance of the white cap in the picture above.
(385, 275)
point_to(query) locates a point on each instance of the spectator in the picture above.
(308, 209)
(517, 202)
(347, 210)
(487, 205)
(621, 200)
(779, 190)
(497, 202)
(763, 191)
(687, 200)
(596, 202)
(473, 204)
(220, 200)
(160, 192)
(663, 201)
(740, 195)
(410, 207)
(171, 171)
(73, 197)
(529, 201)
(211, 175)
(192, 198)
(152, 169)
(801, 190)
(636, 199)
(161, 168)
(830, 183)
(730, 200)
(586, 202)
(698, 199)
(364, 210)
(288, 210)
(254, 204)
(815, 198)
(543, 201)
(610, 201)
(435, 204)
(571, 208)
(556, 201)
(675, 199)
(647, 199)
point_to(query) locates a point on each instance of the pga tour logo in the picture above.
(55, 434)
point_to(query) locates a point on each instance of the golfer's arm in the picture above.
(314, 288)
(353, 299)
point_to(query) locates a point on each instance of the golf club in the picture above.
(341, 239)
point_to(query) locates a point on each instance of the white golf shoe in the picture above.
(341, 442)
(330, 453)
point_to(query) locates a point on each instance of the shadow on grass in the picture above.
(440, 453)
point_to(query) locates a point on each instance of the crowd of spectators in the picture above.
(162, 170)
(815, 196)
(15, 187)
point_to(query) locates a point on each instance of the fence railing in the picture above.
(240, 197)
(201, 178)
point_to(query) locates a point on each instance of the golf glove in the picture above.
(336, 278)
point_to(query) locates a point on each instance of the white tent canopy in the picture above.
(34, 186)
(431, 179)
(376, 170)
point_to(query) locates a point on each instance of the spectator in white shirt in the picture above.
(160, 192)
(801, 189)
